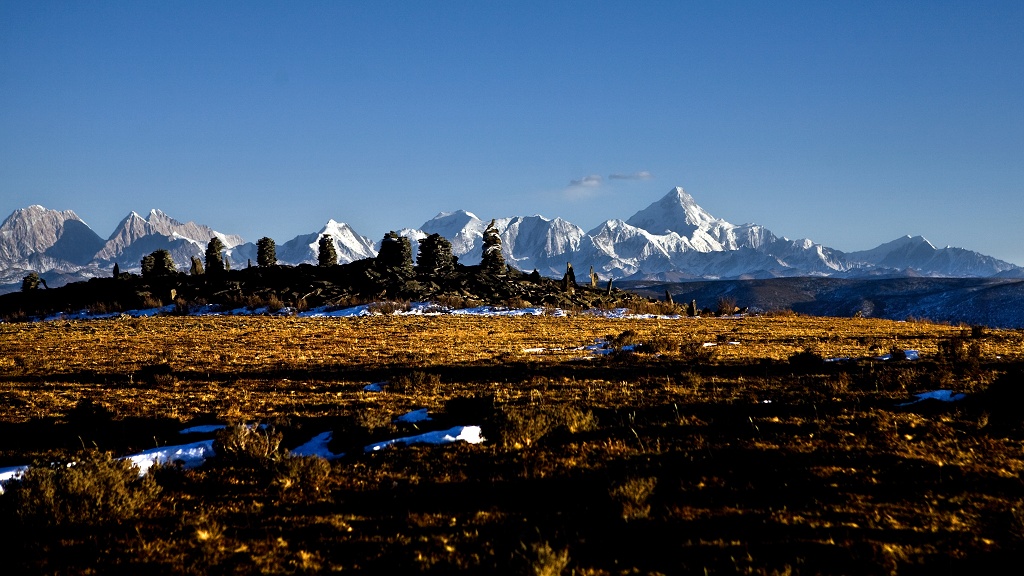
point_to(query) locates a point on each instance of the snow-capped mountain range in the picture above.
(672, 239)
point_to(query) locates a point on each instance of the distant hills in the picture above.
(673, 239)
(993, 302)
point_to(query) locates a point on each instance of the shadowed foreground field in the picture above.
(666, 455)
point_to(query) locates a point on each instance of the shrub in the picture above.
(516, 302)
(453, 301)
(726, 306)
(632, 496)
(245, 444)
(839, 384)
(300, 478)
(543, 560)
(657, 308)
(97, 308)
(897, 354)
(30, 282)
(94, 490)
(658, 344)
(268, 300)
(415, 382)
(158, 263)
(961, 353)
(806, 359)
(623, 339)
(150, 301)
(522, 426)
(388, 307)
(693, 352)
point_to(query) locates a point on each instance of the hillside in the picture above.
(981, 301)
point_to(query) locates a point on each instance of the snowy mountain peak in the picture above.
(30, 232)
(465, 214)
(676, 212)
(672, 238)
(464, 229)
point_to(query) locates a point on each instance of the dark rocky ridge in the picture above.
(307, 286)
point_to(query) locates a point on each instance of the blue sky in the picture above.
(850, 123)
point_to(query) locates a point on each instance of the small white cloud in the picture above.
(592, 181)
(642, 175)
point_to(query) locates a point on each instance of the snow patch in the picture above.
(414, 416)
(191, 455)
(318, 447)
(470, 434)
(940, 395)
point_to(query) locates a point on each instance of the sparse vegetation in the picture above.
(744, 456)
(93, 489)
(247, 443)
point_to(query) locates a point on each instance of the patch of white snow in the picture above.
(191, 455)
(940, 395)
(414, 416)
(470, 434)
(317, 447)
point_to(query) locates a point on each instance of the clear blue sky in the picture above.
(850, 123)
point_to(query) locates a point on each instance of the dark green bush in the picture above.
(214, 256)
(266, 252)
(327, 254)
(158, 263)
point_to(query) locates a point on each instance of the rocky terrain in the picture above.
(306, 286)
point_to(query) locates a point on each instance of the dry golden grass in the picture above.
(254, 344)
(627, 463)
(262, 366)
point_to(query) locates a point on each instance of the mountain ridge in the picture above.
(673, 238)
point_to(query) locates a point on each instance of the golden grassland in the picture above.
(228, 358)
(746, 456)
